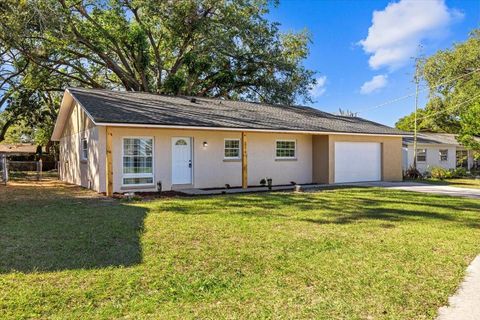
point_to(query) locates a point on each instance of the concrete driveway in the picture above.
(426, 188)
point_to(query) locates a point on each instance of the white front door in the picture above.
(181, 160)
(358, 161)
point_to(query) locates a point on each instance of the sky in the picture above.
(363, 51)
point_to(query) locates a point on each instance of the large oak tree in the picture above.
(213, 48)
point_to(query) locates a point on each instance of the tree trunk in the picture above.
(4, 128)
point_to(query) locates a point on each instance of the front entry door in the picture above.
(181, 161)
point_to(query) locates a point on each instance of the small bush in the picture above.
(440, 173)
(459, 173)
(412, 173)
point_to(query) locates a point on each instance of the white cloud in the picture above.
(397, 30)
(319, 88)
(375, 84)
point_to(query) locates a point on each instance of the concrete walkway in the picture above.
(426, 188)
(465, 304)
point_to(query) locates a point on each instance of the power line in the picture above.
(451, 108)
(413, 94)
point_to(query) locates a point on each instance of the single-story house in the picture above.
(437, 150)
(113, 141)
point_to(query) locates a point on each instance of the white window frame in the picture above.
(83, 156)
(139, 175)
(440, 155)
(417, 154)
(239, 149)
(286, 140)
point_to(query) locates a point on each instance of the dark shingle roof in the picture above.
(143, 108)
(431, 138)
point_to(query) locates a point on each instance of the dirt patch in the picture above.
(46, 189)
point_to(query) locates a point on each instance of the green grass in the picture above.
(352, 253)
(461, 183)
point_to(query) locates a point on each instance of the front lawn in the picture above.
(352, 253)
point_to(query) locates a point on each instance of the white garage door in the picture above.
(357, 161)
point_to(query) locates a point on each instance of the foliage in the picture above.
(470, 126)
(440, 173)
(459, 173)
(412, 173)
(453, 77)
(29, 96)
(233, 256)
(215, 48)
(347, 113)
(424, 123)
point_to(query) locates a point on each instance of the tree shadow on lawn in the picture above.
(40, 235)
(346, 207)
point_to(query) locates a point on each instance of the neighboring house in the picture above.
(436, 150)
(113, 141)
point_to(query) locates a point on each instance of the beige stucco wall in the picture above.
(72, 169)
(391, 154)
(315, 159)
(262, 162)
(209, 167)
(320, 158)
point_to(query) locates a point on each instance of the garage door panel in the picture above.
(357, 161)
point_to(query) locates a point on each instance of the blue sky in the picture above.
(363, 62)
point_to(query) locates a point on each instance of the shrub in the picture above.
(412, 173)
(440, 173)
(459, 173)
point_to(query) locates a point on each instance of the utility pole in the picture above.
(415, 125)
(417, 81)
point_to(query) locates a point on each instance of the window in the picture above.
(84, 150)
(462, 159)
(421, 155)
(285, 149)
(443, 154)
(181, 142)
(137, 161)
(232, 149)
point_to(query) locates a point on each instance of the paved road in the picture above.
(427, 188)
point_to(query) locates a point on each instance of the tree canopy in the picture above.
(214, 48)
(453, 78)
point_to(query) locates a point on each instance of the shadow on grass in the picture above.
(342, 207)
(50, 235)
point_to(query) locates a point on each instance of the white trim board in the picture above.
(159, 126)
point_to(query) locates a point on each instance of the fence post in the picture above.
(2, 169)
(5, 169)
(39, 169)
